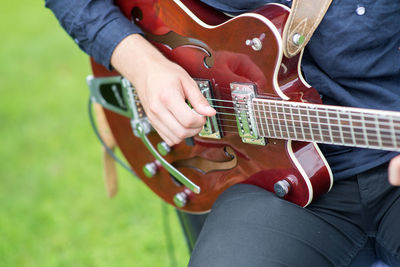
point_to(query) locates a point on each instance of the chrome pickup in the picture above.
(242, 94)
(210, 128)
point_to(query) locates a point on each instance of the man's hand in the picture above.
(163, 87)
(394, 171)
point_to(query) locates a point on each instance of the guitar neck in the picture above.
(347, 126)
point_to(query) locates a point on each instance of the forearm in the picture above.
(134, 56)
(103, 32)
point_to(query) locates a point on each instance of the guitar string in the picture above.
(346, 141)
(314, 128)
(321, 137)
(308, 124)
(350, 128)
(335, 111)
(321, 117)
(345, 129)
(286, 135)
(326, 116)
(311, 123)
(279, 104)
(289, 104)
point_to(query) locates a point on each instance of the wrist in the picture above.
(134, 55)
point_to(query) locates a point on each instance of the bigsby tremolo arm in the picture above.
(171, 169)
(118, 95)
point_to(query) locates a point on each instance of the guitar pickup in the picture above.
(242, 95)
(210, 128)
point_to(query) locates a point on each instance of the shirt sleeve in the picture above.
(96, 26)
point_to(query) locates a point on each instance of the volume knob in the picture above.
(282, 188)
(163, 148)
(150, 169)
(180, 199)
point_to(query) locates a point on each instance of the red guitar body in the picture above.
(220, 55)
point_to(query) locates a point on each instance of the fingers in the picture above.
(163, 87)
(394, 171)
(166, 107)
(181, 111)
(169, 128)
(196, 98)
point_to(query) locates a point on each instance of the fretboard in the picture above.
(328, 124)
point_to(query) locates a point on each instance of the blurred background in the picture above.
(53, 207)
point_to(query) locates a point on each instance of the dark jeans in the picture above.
(355, 223)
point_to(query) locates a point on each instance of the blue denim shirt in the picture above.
(353, 58)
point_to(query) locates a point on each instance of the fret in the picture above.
(266, 122)
(364, 127)
(301, 125)
(370, 126)
(259, 118)
(345, 128)
(352, 129)
(277, 115)
(293, 124)
(329, 125)
(339, 128)
(385, 131)
(378, 133)
(334, 126)
(309, 124)
(357, 128)
(319, 126)
(272, 120)
(315, 126)
(396, 127)
(285, 120)
(393, 132)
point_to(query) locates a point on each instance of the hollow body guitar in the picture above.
(268, 118)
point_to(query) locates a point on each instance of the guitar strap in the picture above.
(303, 20)
(110, 170)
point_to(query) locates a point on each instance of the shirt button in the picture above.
(360, 10)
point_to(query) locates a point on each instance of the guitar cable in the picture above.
(164, 211)
(109, 151)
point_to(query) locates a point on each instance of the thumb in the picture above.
(394, 171)
(196, 99)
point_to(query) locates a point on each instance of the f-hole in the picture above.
(136, 15)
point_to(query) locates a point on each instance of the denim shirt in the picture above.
(353, 58)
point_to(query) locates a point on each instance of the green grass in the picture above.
(53, 206)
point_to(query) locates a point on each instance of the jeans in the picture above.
(355, 223)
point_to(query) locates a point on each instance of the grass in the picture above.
(54, 210)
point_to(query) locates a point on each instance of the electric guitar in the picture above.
(268, 118)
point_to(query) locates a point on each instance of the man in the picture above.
(353, 59)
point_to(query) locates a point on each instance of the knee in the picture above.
(388, 251)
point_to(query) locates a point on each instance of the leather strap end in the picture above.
(110, 175)
(304, 18)
(110, 170)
